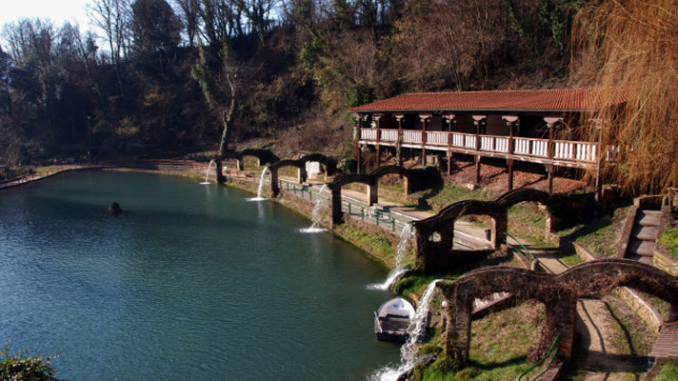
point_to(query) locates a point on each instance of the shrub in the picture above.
(20, 368)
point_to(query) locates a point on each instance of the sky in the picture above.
(58, 11)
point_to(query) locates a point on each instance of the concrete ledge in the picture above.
(642, 307)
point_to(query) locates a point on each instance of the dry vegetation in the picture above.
(631, 45)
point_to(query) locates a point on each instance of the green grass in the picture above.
(499, 347)
(450, 194)
(669, 240)
(528, 213)
(669, 372)
(602, 235)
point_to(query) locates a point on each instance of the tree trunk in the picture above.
(227, 117)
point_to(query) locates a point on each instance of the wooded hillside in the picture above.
(172, 74)
(294, 65)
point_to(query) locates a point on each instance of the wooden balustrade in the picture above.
(410, 136)
(564, 151)
(389, 136)
(437, 137)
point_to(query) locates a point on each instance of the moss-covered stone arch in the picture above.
(559, 293)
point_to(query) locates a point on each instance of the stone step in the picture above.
(640, 258)
(648, 217)
(644, 248)
(645, 233)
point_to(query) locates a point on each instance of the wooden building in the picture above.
(537, 126)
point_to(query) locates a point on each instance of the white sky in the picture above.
(58, 11)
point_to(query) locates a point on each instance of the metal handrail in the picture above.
(556, 346)
(520, 251)
(379, 217)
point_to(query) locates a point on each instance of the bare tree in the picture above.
(189, 14)
(111, 16)
(217, 73)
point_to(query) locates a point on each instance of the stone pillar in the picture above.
(275, 186)
(220, 172)
(458, 331)
(408, 185)
(301, 174)
(337, 214)
(372, 193)
(240, 164)
(561, 317)
(499, 227)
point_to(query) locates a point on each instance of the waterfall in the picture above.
(408, 351)
(316, 217)
(261, 187)
(207, 173)
(400, 269)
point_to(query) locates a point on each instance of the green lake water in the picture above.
(191, 282)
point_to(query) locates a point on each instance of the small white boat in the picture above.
(392, 320)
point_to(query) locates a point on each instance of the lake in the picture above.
(191, 282)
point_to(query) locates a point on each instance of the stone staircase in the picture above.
(643, 236)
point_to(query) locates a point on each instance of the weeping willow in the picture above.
(633, 45)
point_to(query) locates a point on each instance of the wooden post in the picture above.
(377, 117)
(399, 153)
(450, 120)
(549, 169)
(477, 120)
(509, 164)
(424, 118)
(511, 120)
(550, 123)
(357, 141)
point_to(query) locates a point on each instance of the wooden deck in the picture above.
(563, 153)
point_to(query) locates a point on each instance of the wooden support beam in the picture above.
(509, 164)
(424, 118)
(478, 158)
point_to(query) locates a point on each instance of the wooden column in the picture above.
(550, 123)
(357, 141)
(477, 120)
(450, 121)
(424, 118)
(377, 117)
(511, 120)
(598, 123)
(399, 141)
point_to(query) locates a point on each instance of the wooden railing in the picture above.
(560, 150)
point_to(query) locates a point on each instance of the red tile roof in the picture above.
(562, 100)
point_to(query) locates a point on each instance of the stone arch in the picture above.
(439, 256)
(559, 293)
(300, 164)
(371, 180)
(264, 156)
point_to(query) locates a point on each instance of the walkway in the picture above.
(598, 331)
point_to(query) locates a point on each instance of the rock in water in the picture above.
(115, 208)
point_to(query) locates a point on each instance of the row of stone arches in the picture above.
(438, 255)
